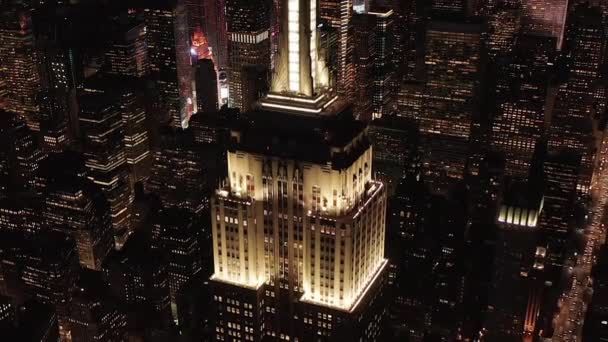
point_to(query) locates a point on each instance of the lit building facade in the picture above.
(174, 234)
(296, 226)
(179, 173)
(572, 125)
(545, 17)
(136, 143)
(520, 120)
(18, 60)
(171, 60)
(128, 54)
(102, 130)
(454, 61)
(81, 211)
(375, 28)
(300, 83)
(561, 171)
(248, 47)
(338, 15)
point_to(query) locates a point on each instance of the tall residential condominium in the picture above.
(248, 25)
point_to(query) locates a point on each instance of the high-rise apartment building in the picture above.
(103, 135)
(248, 25)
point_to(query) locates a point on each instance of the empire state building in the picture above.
(300, 82)
(299, 224)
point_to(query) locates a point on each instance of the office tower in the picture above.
(30, 321)
(364, 53)
(104, 150)
(300, 83)
(338, 15)
(504, 21)
(409, 251)
(170, 58)
(410, 99)
(396, 143)
(138, 276)
(41, 267)
(18, 59)
(20, 214)
(92, 314)
(294, 237)
(521, 96)
(136, 142)
(57, 126)
(575, 106)
(21, 156)
(544, 17)
(179, 174)
(561, 171)
(78, 208)
(22, 153)
(373, 39)
(206, 86)
(176, 235)
(248, 25)
(455, 64)
(514, 279)
(128, 54)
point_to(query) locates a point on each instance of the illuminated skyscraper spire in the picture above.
(300, 80)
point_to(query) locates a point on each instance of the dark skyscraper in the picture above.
(128, 55)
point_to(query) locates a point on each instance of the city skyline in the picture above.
(303, 170)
